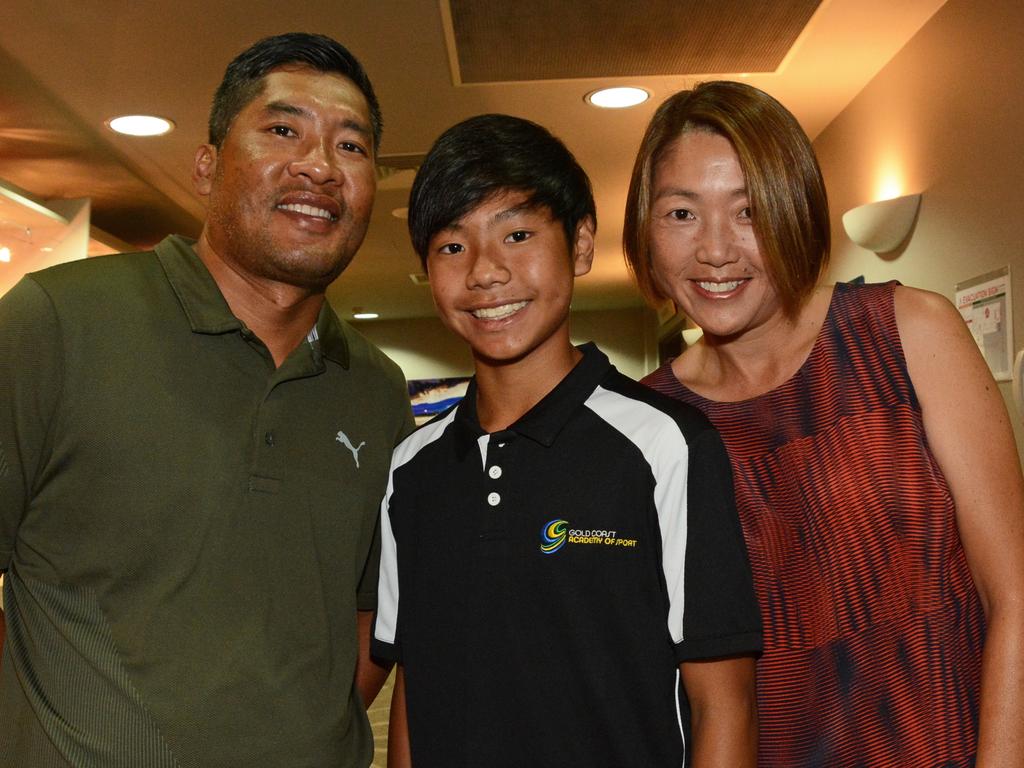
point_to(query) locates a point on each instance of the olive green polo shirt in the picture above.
(188, 531)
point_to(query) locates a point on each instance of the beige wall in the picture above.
(425, 349)
(945, 116)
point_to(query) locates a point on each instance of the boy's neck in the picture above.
(506, 391)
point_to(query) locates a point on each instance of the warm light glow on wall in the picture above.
(888, 188)
(890, 181)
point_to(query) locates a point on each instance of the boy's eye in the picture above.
(450, 248)
(518, 236)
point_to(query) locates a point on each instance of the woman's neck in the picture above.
(730, 369)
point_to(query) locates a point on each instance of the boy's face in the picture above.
(502, 278)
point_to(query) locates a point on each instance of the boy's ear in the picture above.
(583, 247)
(204, 166)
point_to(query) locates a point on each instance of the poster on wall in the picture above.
(985, 304)
(433, 396)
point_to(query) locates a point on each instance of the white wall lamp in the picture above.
(884, 226)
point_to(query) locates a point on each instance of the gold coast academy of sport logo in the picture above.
(556, 534)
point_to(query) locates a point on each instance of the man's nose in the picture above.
(318, 162)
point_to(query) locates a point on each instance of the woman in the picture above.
(876, 474)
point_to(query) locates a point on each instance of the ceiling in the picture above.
(67, 67)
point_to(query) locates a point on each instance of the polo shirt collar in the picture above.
(208, 312)
(546, 419)
(331, 332)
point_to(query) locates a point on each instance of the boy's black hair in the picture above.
(243, 79)
(489, 154)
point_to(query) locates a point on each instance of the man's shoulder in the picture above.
(109, 275)
(366, 355)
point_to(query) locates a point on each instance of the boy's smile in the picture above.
(502, 278)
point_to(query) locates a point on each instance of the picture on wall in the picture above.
(433, 396)
(984, 302)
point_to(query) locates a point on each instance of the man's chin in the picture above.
(310, 270)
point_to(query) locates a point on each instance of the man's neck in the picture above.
(281, 315)
(505, 392)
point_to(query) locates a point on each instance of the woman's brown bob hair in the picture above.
(784, 184)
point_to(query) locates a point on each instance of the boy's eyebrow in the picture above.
(284, 108)
(513, 211)
(500, 216)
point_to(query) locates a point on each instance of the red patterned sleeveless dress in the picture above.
(872, 626)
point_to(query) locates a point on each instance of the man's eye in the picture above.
(518, 236)
(282, 130)
(349, 146)
(450, 248)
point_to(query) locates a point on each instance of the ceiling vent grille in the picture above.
(498, 41)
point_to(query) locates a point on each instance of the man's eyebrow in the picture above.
(283, 107)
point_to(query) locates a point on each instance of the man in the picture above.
(192, 451)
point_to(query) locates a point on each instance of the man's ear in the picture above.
(204, 166)
(583, 247)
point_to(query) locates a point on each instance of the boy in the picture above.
(562, 546)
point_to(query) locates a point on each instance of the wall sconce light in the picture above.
(692, 335)
(884, 226)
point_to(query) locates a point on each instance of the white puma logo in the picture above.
(343, 439)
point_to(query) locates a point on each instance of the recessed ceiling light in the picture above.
(140, 125)
(361, 314)
(5, 254)
(617, 98)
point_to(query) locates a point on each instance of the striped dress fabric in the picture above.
(872, 625)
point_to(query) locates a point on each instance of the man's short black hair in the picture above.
(243, 79)
(485, 156)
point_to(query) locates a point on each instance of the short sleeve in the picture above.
(30, 382)
(384, 639)
(721, 615)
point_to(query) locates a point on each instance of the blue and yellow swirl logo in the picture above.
(553, 535)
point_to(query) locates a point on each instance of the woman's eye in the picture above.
(745, 213)
(681, 214)
(518, 236)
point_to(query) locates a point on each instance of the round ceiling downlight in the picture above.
(140, 125)
(617, 98)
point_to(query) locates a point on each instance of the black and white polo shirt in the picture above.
(542, 584)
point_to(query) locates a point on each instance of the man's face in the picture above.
(291, 188)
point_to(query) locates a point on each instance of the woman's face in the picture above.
(704, 253)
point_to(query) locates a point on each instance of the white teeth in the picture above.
(719, 287)
(497, 313)
(307, 210)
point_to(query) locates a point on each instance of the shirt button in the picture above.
(494, 472)
(269, 439)
(494, 499)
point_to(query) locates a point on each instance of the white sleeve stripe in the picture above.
(662, 444)
(387, 584)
